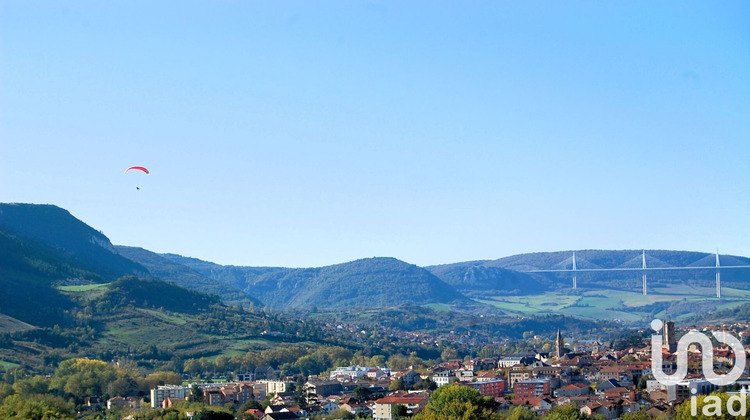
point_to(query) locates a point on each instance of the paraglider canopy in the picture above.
(139, 168)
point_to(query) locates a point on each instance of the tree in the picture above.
(712, 406)
(34, 385)
(83, 377)
(196, 395)
(398, 362)
(396, 385)
(458, 402)
(426, 383)
(213, 415)
(338, 414)
(630, 339)
(449, 353)
(36, 407)
(161, 378)
(638, 415)
(192, 366)
(248, 405)
(566, 412)
(5, 390)
(362, 393)
(399, 410)
(377, 360)
(519, 413)
(643, 382)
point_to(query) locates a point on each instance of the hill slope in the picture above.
(68, 239)
(168, 270)
(372, 282)
(43, 245)
(477, 278)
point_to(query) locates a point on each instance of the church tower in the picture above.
(559, 344)
(670, 341)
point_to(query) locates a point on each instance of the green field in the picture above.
(83, 287)
(8, 365)
(621, 305)
(178, 319)
(439, 306)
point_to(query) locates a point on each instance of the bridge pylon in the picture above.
(718, 276)
(645, 288)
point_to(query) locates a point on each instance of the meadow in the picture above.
(626, 306)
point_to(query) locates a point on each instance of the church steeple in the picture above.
(559, 344)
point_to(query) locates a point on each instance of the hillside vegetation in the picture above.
(371, 283)
(78, 249)
(166, 269)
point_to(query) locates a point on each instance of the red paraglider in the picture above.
(139, 168)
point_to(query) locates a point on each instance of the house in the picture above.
(573, 390)
(628, 406)
(275, 387)
(275, 408)
(516, 359)
(537, 405)
(487, 376)
(93, 402)
(659, 395)
(658, 412)
(494, 388)
(545, 404)
(168, 391)
(281, 415)
(383, 409)
(464, 374)
(610, 409)
(518, 374)
(255, 413)
(601, 409)
(213, 397)
(329, 406)
(375, 373)
(620, 392)
(443, 378)
(607, 384)
(354, 372)
(531, 389)
(410, 377)
(358, 409)
(129, 402)
(323, 388)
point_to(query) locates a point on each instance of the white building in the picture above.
(275, 387)
(443, 378)
(161, 393)
(354, 372)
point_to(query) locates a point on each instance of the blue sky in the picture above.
(312, 133)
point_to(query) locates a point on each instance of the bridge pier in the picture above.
(718, 276)
(645, 288)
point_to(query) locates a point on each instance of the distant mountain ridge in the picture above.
(371, 282)
(162, 267)
(44, 243)
(511, 271)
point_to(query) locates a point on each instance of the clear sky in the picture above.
(311, 133)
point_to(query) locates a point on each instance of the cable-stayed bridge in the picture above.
(574, 270)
